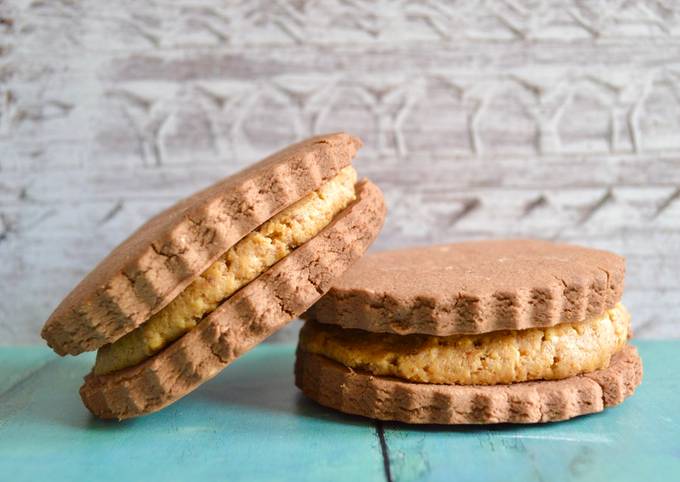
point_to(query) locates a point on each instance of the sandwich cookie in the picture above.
(212, 276)
(479, 332)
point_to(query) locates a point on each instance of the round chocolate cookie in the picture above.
(242, 321)
(473, 287)
(149, 269)
(212, 276)
(478, 332)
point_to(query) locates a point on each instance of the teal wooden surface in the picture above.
(247, 424)
(636, 441)
(250, 423)
(18, 363)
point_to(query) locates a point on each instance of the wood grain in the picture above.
(556, 120)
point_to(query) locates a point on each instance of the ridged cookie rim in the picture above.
(533, 306)
(243, 320)
(358, 393)
(163, 256)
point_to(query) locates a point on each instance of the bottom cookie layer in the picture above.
(336, 386)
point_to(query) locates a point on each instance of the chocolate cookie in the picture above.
(149, 269)
(473, 287)
(243, 320)
(478, 332)
(212, 276)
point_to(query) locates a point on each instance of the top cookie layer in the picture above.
(146, 271)
(473, 287)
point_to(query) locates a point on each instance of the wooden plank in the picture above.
(250, 423)
(115, 179)
(638, 440)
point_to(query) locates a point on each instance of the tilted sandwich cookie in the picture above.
(210, 277)
(478, 332)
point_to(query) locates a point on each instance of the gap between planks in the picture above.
(380, 430)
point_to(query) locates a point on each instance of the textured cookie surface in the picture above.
(243, 320)
(336, 386)
(500, 357)
(473, 287)
(145, 272)
(242, 263)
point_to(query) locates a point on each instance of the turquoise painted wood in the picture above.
(250, 423)
(636, 441)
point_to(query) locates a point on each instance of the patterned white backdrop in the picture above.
(558, 120)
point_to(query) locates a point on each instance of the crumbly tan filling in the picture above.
(241, 264)
(493, 358)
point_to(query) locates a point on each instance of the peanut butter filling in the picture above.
(493, 358)
(241, 264)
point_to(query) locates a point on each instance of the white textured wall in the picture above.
(559, 120)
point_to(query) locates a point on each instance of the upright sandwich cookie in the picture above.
(209, 278)
(478, 332)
